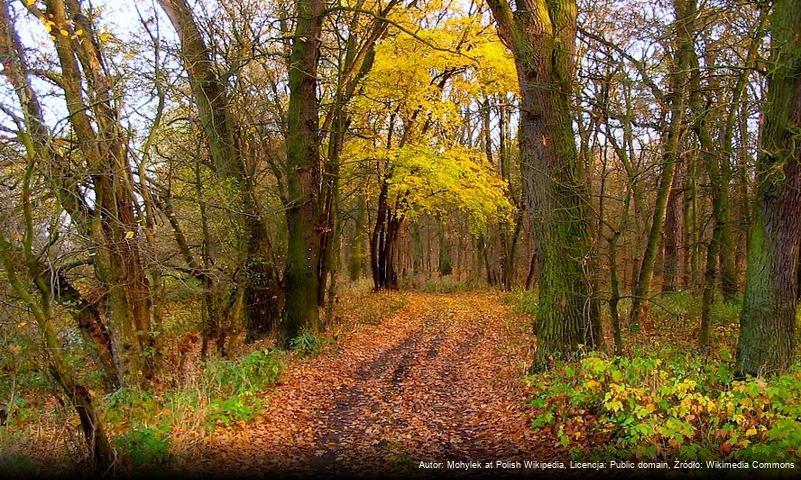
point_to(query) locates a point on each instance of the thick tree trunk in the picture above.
(303, 174)
(767, 321)
(543, 44)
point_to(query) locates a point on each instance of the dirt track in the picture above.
(439, 380)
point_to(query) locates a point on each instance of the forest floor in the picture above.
(439, 379)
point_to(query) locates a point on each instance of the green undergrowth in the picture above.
(666, 399)
(308, 344)
(147, 425)
(646, 407)
(522, 302)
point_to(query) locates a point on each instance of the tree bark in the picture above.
(767, 321)
(673, 235)
(109, 221)
(542, 38)
(303, 174)
(382, 244)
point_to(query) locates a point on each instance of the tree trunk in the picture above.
(673, 234)
(303, 174)
(542, 41)
(357, 255)
(532, 275)
(721, 244)
(263, 295)
(382, 244)
(744, 189)
(91, 325)
(109, 220)
(445, 263)
(767, 321)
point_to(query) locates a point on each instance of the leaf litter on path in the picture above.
(435, 381)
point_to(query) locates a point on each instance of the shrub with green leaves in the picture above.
(226, 392)
(653, 408)
(249, 374)
(146, 446)
(523, 302)
(239, 408)
(129, 403)
(308, 344)
(233, 386)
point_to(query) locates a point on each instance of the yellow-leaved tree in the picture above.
(411, 111)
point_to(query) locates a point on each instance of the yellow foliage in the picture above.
(432, 180)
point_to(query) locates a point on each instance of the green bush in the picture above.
(646, 407)
(225, 393)
(130, 405)
(233, 386)
(17, 465)
(146, 446)
(239, 408)
(251, 373)
(308, 344)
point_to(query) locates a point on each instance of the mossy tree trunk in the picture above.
(541, 36)
(303, 174)
(767, 321)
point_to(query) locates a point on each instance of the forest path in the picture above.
(440, 379)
